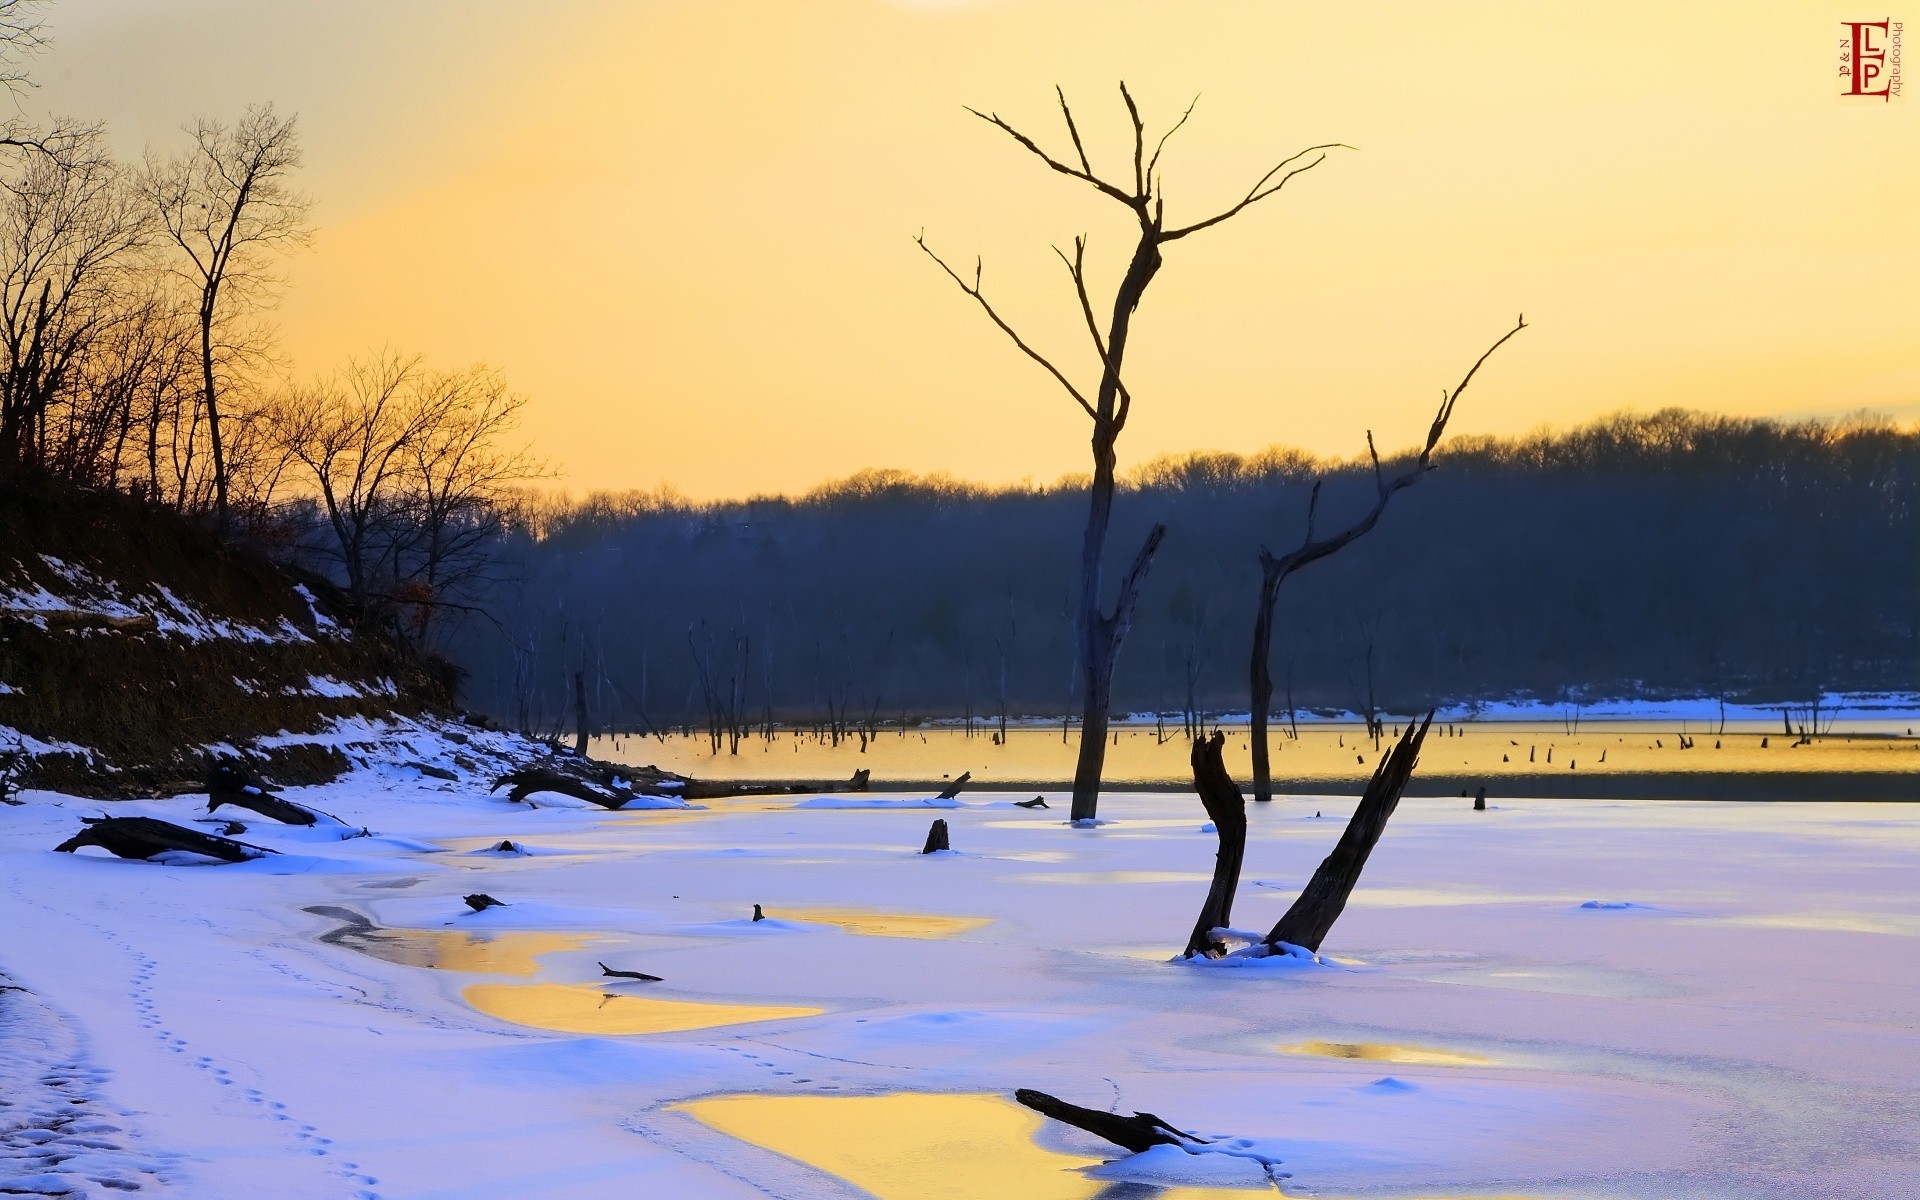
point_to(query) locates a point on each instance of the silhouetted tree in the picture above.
(1100, 632)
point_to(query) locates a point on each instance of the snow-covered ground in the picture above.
(1550, 998)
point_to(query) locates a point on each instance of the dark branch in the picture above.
(1262, 189)
(1085, 175)
(1312, 550)
(973, 290)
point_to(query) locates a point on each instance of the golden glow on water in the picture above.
(1386, 1052)
(1323, 753)
(915, 1146)
(501, 952)
(565, 1009)
(921, 1146)
(871, 923)
(1840, 922)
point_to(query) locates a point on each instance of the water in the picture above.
(1326, 756)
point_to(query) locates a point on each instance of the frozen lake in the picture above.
(1549, 999)
(1509, 757)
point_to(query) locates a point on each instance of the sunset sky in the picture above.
(684, 228)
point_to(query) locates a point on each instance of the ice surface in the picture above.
(1746, 1028)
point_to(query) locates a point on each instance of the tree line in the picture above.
(138, 353)
(1653, 554)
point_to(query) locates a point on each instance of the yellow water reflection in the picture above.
(565, 1009)
(915, 1146)
(872, 923)
(1329, 753)
(1386, 1052)
(500, 952)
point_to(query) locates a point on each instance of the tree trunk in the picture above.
(213, 413)
(579, 714)
(1260, 677)
(1325, 896)
(936, 837)
(1228, 810)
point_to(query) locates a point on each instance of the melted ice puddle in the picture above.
(872, 923)
(917, 1146)
(505, 952)
(1387, 1052)
(921, 1146)
(568, 1009)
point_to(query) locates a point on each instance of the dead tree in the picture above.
(1274, 570)
(953, 789)
(1227, 808)
(1100, 632)
(144, 837)
(1324, 898)
(1141, 1131)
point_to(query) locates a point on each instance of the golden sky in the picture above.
(684, 226)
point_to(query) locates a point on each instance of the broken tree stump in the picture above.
(936, 837)
(1324, 898)
(481, 902)
(860, 780)
(1141, 1131)
(1228, 809)
(953, 789)
(144, 837)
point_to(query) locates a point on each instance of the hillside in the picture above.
(131, 640)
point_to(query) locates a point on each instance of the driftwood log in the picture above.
(953, 789)
(481, 902)
(1036, 802)
(611, 973)
(230, 783)
(1325, 896)
(936, 837)
(1227, 808)
(144, 837)
(1141, 1131)
(529, 780)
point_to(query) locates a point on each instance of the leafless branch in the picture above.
(973, 289)
(1312, 549)
(1266, 186)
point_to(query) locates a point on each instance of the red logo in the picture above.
(1870, 58)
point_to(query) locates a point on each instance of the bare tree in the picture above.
(1274, 570)
(352, 437)
(70, 234)
(1098, 631)
(229, 207)
(458, 473)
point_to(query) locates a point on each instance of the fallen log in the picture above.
(481, 902)
(1036, 802)
(953, 789)
(230, 783)
(1321, 902)
(1141, 1131)
(529, 780)
(642, 976)
(936, 837)
(144, 837)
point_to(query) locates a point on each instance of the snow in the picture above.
(1745, 1025)
(172, 617)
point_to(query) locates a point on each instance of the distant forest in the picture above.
(1671, 553)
